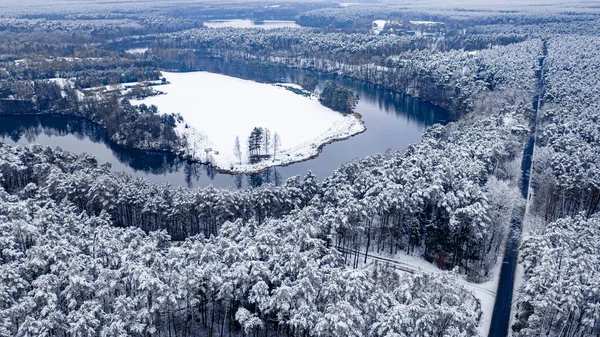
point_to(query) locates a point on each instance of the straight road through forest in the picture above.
(502, 307)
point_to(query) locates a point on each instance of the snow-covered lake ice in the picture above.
(217, 108)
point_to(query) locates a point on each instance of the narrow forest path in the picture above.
(502, 307)
(419, 268)
(484, 292)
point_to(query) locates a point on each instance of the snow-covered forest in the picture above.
(560, 253)
(68, 272)
(87, 251)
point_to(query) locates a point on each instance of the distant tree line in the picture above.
(431, 69)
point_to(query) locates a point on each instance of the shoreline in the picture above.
(318, 151)
(188, 158)
(182, 155)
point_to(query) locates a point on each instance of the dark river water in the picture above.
(393, 121)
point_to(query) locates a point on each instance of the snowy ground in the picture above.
(241, 23)
(484, 292)
(137, 51)
(98, 92)
(426, 23)
(378, 26)
(217, 108)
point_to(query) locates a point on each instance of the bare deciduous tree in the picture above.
(237, 149)
(276, 144)
(266, 140)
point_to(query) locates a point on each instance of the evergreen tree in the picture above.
(338, 98)
(255, 144)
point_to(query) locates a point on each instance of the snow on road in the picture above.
(217, 108)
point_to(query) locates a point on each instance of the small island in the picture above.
(338, 98)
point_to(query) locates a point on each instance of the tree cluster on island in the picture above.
(261, 145)
(338, 98)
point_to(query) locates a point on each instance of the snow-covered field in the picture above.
(137, 50)
(378, 26)
(426, 23)
(217, 108)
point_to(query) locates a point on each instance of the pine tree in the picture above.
(255, 144)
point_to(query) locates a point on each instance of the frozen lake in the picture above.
(393, 121)
(217, 109)
(239, 23)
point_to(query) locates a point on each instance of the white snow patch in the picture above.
(217, 108)
(137, 51)
(378, 26)
(486, 294)
(245, 23)
(62, 82)
(346, 4)
(426, 23)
